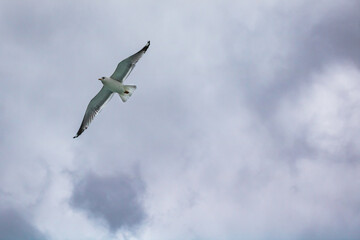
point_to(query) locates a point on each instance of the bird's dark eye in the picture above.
(103, 77)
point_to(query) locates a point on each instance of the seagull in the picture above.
(111, 85)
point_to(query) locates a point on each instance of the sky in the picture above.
(245, 122)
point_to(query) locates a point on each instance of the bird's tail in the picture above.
(129, 89)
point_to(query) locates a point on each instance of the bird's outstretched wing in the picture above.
(125, 67)
(94, 107)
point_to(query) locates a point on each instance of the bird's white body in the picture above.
(113, 85)
(124, 91)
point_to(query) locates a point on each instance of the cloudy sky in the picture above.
(245, 123)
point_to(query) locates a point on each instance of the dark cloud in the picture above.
(14, 226)
(295, 44)
(117, 200)
(307, 40)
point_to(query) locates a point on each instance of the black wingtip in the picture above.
(78, 133)
(146, 46)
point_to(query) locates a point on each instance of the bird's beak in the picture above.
(100, 79)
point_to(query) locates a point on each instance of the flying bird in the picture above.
(111, 85)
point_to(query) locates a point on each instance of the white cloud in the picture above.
(325, 112)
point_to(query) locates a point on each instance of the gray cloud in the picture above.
(307, 41)
(293, 47)
(13, 226)
(117, 199)
(243, 124)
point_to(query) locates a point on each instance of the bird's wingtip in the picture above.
(75, 136)
(146, 47)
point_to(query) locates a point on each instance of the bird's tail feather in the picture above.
(129, 89)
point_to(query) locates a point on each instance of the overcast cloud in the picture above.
(13, 226)
(117, 200)
(245, 123)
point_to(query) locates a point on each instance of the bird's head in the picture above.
(102, 79)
